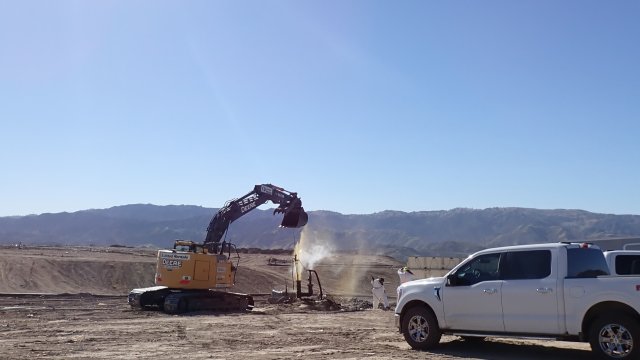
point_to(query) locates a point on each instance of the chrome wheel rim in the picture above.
(418, 328)
(615, 341)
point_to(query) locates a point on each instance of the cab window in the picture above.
(586, 263)
(526, 265)
(482, 268)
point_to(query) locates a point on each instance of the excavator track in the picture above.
(173, 301)
(207, 300)
(148, 298)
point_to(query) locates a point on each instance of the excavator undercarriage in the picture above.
(173, 301)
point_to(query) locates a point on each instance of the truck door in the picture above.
(472, 296)
(529, 293)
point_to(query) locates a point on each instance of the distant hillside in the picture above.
(452, 233)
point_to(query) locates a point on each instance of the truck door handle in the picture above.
(490, 291)
(544, 290)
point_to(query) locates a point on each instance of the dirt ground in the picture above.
(81, 312)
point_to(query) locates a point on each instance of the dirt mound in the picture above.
(115, 271)
(55, 270)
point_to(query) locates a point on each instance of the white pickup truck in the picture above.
(557, 291)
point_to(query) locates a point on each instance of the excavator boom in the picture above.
(289, 204)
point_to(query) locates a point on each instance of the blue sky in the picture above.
(359, 106)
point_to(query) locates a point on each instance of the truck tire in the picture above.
(420, 328)
(615, 337)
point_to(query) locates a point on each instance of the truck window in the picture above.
(628, 264)
(482, 268)
(519, 265)
(586, 263)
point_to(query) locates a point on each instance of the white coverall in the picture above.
(379, 294)
(405, 275)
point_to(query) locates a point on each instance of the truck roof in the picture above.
(537, 246)
(622, 252)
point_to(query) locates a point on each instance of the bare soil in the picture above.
(65, 303)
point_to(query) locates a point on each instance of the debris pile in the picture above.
(281, 297)
(355, 304)
(290, 300)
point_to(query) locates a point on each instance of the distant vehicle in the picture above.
(623, 262)
(279, 262)
(559, 291)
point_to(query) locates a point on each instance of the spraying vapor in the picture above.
(309, 250)
(353, 272)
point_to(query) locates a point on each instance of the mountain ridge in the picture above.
(438, 232)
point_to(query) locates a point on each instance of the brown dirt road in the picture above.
(72, 326)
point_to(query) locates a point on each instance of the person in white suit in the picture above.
(405, 275)
(379, 293)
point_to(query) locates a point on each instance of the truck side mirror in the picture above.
(452, 280)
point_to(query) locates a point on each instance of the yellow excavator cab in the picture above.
(188, 246)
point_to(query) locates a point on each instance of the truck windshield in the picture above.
(586, 263)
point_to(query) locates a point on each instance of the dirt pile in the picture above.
(74, 270)
(115, 271)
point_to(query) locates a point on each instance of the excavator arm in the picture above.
(289, 204)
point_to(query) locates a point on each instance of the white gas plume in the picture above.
(321, 247)
(310, 249)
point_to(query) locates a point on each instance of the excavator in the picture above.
(196, 277)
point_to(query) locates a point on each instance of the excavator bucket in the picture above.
(295, 218)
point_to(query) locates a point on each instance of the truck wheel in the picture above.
(615, 337)
(420, 328)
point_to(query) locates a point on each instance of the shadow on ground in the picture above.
(498, 350)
